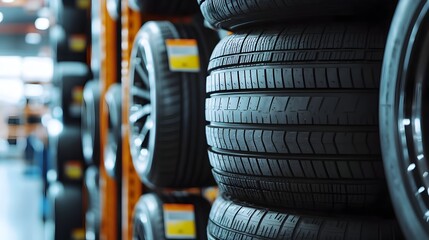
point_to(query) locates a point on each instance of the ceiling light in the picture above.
(1, 17)
(8, 1)
(42, 23)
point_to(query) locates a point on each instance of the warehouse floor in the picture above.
(20, 202)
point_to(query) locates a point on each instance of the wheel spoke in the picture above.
(138, 112)
(144, 133)
(142, 71)
(139, 92)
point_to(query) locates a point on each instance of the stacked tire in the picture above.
(70, 36)
(293, 120)
(166, 117)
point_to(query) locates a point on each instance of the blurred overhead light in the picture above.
(8, 1)
(42, 23)
(1, 17)
(33, 38)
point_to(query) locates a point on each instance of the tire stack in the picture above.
(70, 36)
(167, 137)
(70, 40)
(293, 120)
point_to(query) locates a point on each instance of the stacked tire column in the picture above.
(70, 44)
(293, 120)
(166, 120)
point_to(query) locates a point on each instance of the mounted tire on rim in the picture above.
(404, 120)
(91, 122)
(156, 215)
(167, 105)
(113, 148)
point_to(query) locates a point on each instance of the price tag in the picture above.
(183, 55)
(179, 221)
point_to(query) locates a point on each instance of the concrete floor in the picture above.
(20, 202)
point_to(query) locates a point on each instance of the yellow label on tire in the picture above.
(179, 221)
(183, 55)
(78, 234)
(73, 170)
(77, 43)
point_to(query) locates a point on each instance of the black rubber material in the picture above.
(68, 212)
(70, 22)
(176, 155)
(93, 211)
(91, 122)
(293, 116)
(69, 150)
(34, 119)
(404, 76)
(233, 220)
(15, 120)
(149, 215)
(235, 14)
(164, 7)
(72, 77)
(113, 147)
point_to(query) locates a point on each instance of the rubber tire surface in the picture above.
(233, 220)
(235, 14)
(165, 7)
(68, 212)
(69, 148)
(398, 69)
(113, 147)
(294, 117)
(177, 148)
(70, 21)
(91, 122)
(72, 77)
(93, 211)
(150, 207)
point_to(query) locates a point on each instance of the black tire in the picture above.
(91, 123)
(235, 14)
(113, 147)
(93, 211)
(233, 220)
(403, 116)
(293, 116)
(68, 213)
(164, 7)
(69, 37)
(150, 215)
(70, 163)
(166, 109)
(72, 77)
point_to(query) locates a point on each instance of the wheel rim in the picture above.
(141, 112)
(87, 131)
(413, 118)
